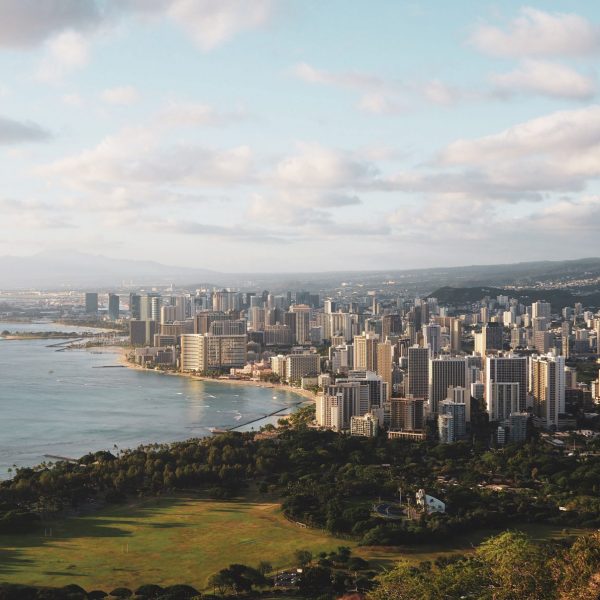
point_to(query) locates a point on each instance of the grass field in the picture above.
(181, 539)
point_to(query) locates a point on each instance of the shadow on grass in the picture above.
(12, 560)
(119, 522)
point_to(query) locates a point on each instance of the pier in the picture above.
(272, 414)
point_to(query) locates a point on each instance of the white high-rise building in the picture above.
(365, 351)
(204, 352)
(547, 385)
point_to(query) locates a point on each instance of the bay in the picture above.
(57, 403)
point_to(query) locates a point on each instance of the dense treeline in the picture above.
(507, 567)
(329, 481)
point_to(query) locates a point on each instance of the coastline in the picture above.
(123, 361)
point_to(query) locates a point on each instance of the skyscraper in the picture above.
(432, 337)
(113, 307)
(451, 421)
(548, 387)
(445, 372)
(418, 372)
(384, 364)
(302, 312)
(365, 351)
(505, 369)
(91, 303)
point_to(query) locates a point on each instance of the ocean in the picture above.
(58, 403)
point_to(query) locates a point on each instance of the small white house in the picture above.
(429, 503)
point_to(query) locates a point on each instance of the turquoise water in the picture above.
(58, 403)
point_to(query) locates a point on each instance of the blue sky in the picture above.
(280, 135)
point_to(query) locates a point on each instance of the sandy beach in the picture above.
(123, 354)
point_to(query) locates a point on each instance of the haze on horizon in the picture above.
(295, 136)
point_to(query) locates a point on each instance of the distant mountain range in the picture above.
(74, 270)
(77, 270)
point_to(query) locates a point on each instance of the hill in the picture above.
(558, 298)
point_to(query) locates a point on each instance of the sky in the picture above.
(300, 135)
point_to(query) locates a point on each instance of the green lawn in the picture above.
(182, 539)
(163, 541)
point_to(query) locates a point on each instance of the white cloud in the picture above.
(383, 96)
(438, 92)
(352, 79)
(546, 78)
(183, 114)
(68, 51)
(535, 33)
(320, 167)
(74, 100)
(211, 23)
(569, 134)
(122, 96)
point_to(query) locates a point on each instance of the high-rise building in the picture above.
(566, 339)
(391, 325)
(91, 303)
(137, 332)
(418, 372)
(547, 385)
(542, 340)
(228, 327)
(302, 365)
(206, 352)
(155, 306)
(168, 314)
(506, 369)
(225, 300)
(455, 335)
(338, 404)
(365, 351)
(407, 413)
(492, 337)
(135, 306)
(432, 337)
(445, 372)
(373, 388)
(541, 309)
(366, 425)
(503, 400)
(451, 421)
(204, 319)
(384, 364)
(518, 427)
(302, 312)
(114, 308)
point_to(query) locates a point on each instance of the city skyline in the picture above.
(261, 138)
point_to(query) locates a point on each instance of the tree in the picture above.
(303, 557)
(264, 567)
(577, 571)
(516, 567)
(315, 580)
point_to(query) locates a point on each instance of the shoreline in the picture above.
(123, 361)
